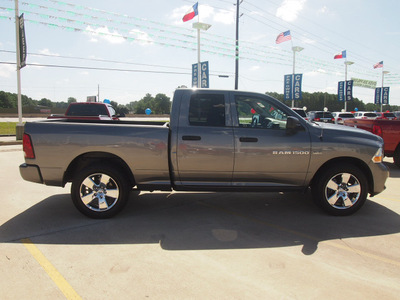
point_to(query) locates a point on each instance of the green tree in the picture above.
(6, 100)
(71, 100)
(45, 102)
(162, 104)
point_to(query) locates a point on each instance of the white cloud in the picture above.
(322, 10)
(141, 37)
(254, 68)
(105, 34)
(48, 52)
(7, 70)
(290, 9)
(226, 17)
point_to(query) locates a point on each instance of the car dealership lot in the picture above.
(194, 245)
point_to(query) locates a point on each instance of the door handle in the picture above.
(248, 139)
(191, 138)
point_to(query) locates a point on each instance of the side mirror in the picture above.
(293, 125)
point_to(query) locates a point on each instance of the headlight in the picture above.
(378, 157)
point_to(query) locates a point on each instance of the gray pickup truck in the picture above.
(216, 140)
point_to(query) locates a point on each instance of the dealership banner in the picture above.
(340, 92)
(297, 86)
(378, 93)
(370, 84)
(349, 90)
(385, 95)
(292, 87)
(204, 75)
(287, 93)
(22, 42)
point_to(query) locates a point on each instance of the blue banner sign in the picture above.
(204, 75)
(287, 93)
(195, 74)
(297, 86)
(385, 95)
(378, 93)
(349, 90)
(340, 92)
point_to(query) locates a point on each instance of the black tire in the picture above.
(341, 190)
(100, 191)
(396, 157)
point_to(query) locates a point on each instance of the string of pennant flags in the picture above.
(83, 19)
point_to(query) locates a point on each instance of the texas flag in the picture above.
(193, 11)
(340, 55)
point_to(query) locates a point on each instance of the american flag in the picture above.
(283, 37)
(378, 65)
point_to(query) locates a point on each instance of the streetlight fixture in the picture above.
(199, 26)
(295, 49)
(346, 63)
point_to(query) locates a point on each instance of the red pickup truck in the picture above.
(389, 130)
(88, 111)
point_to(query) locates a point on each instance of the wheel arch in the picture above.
(86, 159)
(346, 160)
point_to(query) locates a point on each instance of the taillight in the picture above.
(27, 146)
(317, 119)
(377, 130)
(339, 119)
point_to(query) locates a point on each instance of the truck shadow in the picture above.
(393, 169)
(197, 221)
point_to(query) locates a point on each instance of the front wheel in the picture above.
(341, 190)
(99, 191)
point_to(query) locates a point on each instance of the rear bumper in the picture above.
(30, 173)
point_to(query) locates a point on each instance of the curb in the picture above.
(10, 143)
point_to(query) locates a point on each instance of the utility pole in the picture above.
(237, 45)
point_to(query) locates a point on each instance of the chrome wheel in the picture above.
(99, 192)
(340, 190)
(343, 190)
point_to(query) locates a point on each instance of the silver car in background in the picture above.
(341, 116)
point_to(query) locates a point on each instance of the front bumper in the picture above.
(380, 173)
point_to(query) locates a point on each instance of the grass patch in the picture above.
(8, 128)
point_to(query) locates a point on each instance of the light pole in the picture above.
(383, 75)
(295, 49)
(346, 63)
(199, 26)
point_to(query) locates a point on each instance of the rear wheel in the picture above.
(100, 191)
(341, 190)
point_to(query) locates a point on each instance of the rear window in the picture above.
(323, 115)
(87, 110)
(389, 115)
(346, 115)
(207, 110)
(370, 115)
(301, 112)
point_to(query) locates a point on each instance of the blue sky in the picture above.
(72, 43)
